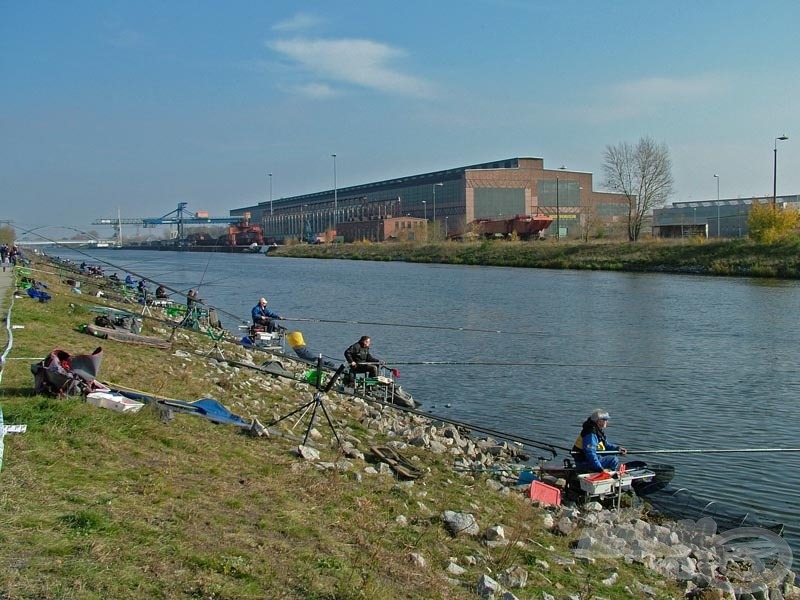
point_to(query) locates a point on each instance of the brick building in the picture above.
(448, 201)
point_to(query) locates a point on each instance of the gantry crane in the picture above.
(179, 217)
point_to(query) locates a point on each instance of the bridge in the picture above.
(74, 243)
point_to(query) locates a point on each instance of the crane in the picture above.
(180, 217)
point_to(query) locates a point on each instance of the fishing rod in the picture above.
(552, 448)
(702, 451)
(135, 273)
(531, 364)
(412, 325)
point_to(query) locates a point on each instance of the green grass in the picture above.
(696, 256)
(97, 504)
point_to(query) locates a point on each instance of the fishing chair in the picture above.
(217, 337)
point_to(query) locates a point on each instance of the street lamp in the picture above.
(435, 185)
(558, 214)
(445, 226)
(782, 138)
(425, 209)
(270, 193)
(335, 193)
(718, 231)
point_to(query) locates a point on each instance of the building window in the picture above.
(562, 192)
(496, 202)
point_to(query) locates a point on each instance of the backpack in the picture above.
(62, 374)
(103, 321)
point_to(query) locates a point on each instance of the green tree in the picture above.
(7, 235)
(767, 223)
(643, 173)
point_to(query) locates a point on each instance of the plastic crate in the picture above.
(115, 402)
(544, 493)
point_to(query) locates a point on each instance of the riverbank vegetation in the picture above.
(99, 504)
(781, 258)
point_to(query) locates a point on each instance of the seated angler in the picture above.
(359, 358)
(591, 445)
(161, 292)
(263, 317)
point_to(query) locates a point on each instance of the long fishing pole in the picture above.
(707, 451)
(552, 448)
(132, 272)
(412, 325)
(531, 364)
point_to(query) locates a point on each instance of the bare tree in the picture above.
(590, 222)
(643, 173)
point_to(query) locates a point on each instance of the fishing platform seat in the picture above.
(258, 337)
(611, 484)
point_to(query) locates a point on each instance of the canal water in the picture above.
(680, 362)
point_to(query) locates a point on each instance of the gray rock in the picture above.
(308, 453)
(418, 560)
(455, 569)
(495, 533)
(457, 523)
(514, 577)
(487, 587)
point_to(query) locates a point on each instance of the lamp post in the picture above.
(425, 209)
(445, 226)
(782, 138)
(435, 185)
(558, 215)
(335, 192)
(270, 193)
(719, 234)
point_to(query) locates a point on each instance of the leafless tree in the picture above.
(643, 173)
(590, 222)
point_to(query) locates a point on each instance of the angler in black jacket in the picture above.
(360, 359)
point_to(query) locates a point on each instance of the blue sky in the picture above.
(137, 106)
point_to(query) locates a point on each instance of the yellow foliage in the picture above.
(768, 223)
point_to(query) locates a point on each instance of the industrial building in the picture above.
(725, 218)
(442, 204)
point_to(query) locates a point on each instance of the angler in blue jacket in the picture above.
(264, 317)
(590, 441)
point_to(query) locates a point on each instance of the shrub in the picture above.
(769, 224)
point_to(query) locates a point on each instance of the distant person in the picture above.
(360, 359)
(114, 278)
(591, 441)
(191, 299)
(161, 292)
(263, 317)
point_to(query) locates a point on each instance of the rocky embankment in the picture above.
(734, 565)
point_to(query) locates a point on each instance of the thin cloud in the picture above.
(668, 89)
(648, 96)
(299, 22)
(315, 90)
(358, 62)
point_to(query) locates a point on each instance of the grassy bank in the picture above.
(98, 504)
(726, 258)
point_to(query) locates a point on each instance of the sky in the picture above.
(111, 107)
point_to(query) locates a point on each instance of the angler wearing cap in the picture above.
(263, 317)
(592, 440)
